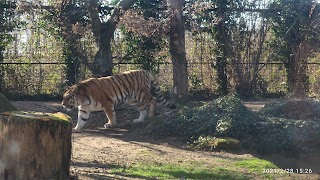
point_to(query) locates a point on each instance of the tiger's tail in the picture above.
(159, 95)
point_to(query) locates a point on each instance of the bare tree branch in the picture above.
(95, 19)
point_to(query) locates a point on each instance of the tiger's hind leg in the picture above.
(146, 98)
(111, 115)
(153, 105)
(143, 113)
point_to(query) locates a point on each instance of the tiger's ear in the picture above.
(75, 89)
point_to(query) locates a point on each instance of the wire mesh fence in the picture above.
(50, 78)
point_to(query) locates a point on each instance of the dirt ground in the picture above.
(96, 150)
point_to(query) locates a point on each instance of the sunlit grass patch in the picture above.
(177, 171)
(257, 167)
(254, 165)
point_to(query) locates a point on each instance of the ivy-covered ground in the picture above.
(291, 127)
(217, 139)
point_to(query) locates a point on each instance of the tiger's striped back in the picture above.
(122, 87)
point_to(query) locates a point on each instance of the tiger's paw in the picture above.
(108, 125)
(75, 130)
(138, 121)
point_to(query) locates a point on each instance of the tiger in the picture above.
(135, 87)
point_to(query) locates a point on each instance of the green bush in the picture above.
(289, 136)
(290, 126)
(211, 143)
(271, 137)
(235, 120)
(299, 109)
(225, 116)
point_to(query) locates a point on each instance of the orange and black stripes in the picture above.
(96, 94)
(119, 88)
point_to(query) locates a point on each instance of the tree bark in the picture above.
(222, 79)
(103, 32)
(1, 68)
(298, 81)
(103, 61)
(177, 50)
(35, 146)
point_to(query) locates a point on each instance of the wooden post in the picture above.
(35, 146)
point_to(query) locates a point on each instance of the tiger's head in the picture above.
(75, 96)
(69, 98)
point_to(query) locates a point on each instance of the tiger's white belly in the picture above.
(91, 107)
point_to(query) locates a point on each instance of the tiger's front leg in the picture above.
(111, 115)
(83, 116)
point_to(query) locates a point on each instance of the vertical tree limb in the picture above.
(177, 50)
(103, 32)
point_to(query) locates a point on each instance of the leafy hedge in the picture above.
(290, 126)
(286, 126)
(299, 109)
(225, 116)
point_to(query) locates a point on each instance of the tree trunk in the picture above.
(1, 68)
(72, 66)
(222, 79)
(298, 81)
(221, 63)
(34, 146)
(103, 61)
(103, 32)
(177, 50)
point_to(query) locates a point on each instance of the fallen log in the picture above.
(35, 145)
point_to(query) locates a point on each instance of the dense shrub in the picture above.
(214, 143)
(299, 109)
(286, 126)
(288, 136)
(271, 137)
(290, 126)
(225, 116)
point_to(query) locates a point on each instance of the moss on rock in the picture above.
(29, 115)
(216, 143)
(227, 143)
